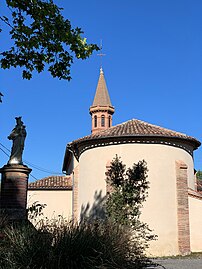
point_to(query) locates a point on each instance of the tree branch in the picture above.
(6, 21)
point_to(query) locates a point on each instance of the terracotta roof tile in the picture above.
(199, 185)
(52, 182)
(136, 128)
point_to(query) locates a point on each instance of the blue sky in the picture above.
(152, 68)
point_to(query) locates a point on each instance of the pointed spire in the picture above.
(101, 96)
(101, 110)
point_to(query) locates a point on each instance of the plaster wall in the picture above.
(160, 209)
(72, 165)
(195, 218)
(59, 202)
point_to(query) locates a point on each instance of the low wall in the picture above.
(59, 202)
(195, 215)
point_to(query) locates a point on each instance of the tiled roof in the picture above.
(101, 96)
(52, 182)
(199, 185)
(195, 194)
(137, 128)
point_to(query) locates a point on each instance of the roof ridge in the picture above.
(52, 176)
(157, 126)
(135, 127)
(52, 182)
(145, 123)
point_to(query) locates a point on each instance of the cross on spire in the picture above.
(101, 54)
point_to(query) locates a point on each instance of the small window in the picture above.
(103, 121)
(109, 123)
(95, 121)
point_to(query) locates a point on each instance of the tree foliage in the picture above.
(199, 175)
(129, 191)
(42, 37)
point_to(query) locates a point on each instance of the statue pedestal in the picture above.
(14, 183)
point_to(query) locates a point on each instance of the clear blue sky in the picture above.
(152, 69)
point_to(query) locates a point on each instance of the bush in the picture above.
(99, 244)
(24, 247)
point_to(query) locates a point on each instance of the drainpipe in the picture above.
(72, 175)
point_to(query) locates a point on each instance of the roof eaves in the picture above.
(77, 144)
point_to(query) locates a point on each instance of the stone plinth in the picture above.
(14, 190)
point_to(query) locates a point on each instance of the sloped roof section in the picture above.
(52, 183)
(101, 96)
(137, 128)
(199, 185)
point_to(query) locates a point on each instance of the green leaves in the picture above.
(199, 175)
(42, 38)
(130, 189)
(115, 175)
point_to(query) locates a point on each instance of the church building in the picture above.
(173, 207)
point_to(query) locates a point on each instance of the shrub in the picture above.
(99, 244)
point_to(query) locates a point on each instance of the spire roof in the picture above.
(101, 96)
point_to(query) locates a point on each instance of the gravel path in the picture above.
(179, 263)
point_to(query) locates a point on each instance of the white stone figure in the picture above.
(18, 135)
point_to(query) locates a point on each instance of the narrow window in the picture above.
(103, 121)
(95, 121)
(109, 123)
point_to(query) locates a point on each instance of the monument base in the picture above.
(14, 183)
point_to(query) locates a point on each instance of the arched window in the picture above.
(95, 121)
(103, 121)
(109, 121)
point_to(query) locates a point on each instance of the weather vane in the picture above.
(101, 54)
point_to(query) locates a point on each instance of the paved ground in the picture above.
(179, 263)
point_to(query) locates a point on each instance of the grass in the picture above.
(58, 244)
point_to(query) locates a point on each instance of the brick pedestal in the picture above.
(14, 190)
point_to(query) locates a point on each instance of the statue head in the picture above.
(19, 120)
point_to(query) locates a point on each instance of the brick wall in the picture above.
(75, 194)
(182, 208)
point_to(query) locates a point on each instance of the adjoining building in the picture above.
(173, 206)
(55, 192)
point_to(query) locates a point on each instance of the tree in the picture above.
(199, 180)
(42, 37)
(199, 175)
(129, 191)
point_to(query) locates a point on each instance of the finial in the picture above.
(101, 55)
(101, 70)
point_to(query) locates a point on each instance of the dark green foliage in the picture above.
(199, 180)
(199, 175)
(35, 211)
(129, 191)
(3, 219)
(115, 175)
(87, 245)
(24, 247)
(42, 37)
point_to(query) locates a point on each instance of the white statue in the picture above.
(18, 135)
